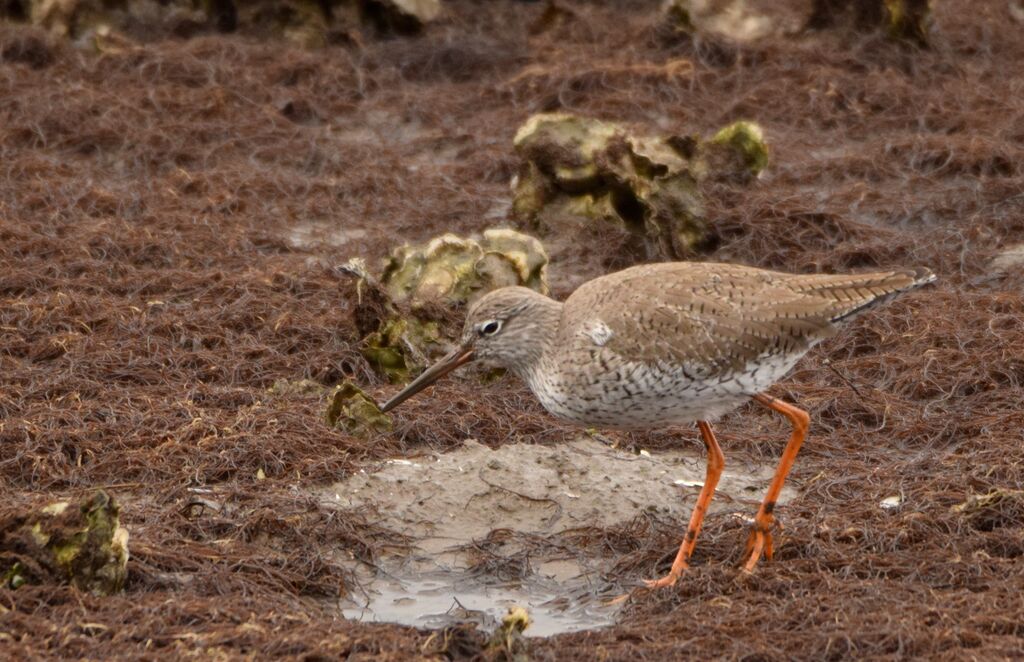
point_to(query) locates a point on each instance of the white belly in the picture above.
(640, 395)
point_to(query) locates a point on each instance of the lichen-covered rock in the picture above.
(576, 169)
(400, 347)
(998, 508)
(738, 150)
(908, 20)
(310, 23)
(737, 20)
(85, 546)
(401, 16)
(350, 409)
(395, 342)
(902, 20)
(398, 314)
(454, 269)
(287, 387)
(507, 642)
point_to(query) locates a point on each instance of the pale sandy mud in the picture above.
(521, 494)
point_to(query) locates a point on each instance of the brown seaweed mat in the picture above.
(170, 214)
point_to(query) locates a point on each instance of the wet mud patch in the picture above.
(491, 528)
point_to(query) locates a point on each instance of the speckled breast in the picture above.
(607, 392)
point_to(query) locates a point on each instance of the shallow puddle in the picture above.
(449, 503)
(444, 598)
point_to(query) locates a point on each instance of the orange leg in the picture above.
(716, 462)
(760, 540)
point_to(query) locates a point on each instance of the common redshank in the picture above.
(668, 344)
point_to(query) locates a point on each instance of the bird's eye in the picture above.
(490, 328)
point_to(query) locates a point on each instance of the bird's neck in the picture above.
(543, 335)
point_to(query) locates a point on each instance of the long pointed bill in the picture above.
(450, 362)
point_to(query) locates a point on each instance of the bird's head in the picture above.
(509, 327)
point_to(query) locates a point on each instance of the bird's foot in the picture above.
(618, 599)
(651, 584)
(668, 580)
(759, 542)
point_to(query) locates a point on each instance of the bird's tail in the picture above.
(848, 295)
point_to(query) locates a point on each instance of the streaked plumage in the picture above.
(670, 343)
(666, 344)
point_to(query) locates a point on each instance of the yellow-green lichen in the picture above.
(14, 577)
(84, 546)
(65, 553)
(38, 535)
(507, 642)
(746, 140)
(908, 20)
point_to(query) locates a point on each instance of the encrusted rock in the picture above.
(83, 545)
(576, 169)
(903, 20)
(738, 150)
(310, 23)
(736, 20)
(352, 410)
(398, 315)
(400, 346)
(402, 16)
(454, 269)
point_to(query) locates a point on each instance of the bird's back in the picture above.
(681, 341)
(723, 315)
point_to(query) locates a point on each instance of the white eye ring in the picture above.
(490, 327)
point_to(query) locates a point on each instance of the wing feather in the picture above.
(718, 317)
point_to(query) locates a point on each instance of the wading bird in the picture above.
(668, 344)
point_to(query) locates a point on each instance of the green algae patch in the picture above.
(84, 546)
(14, 577)
(351, 409)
